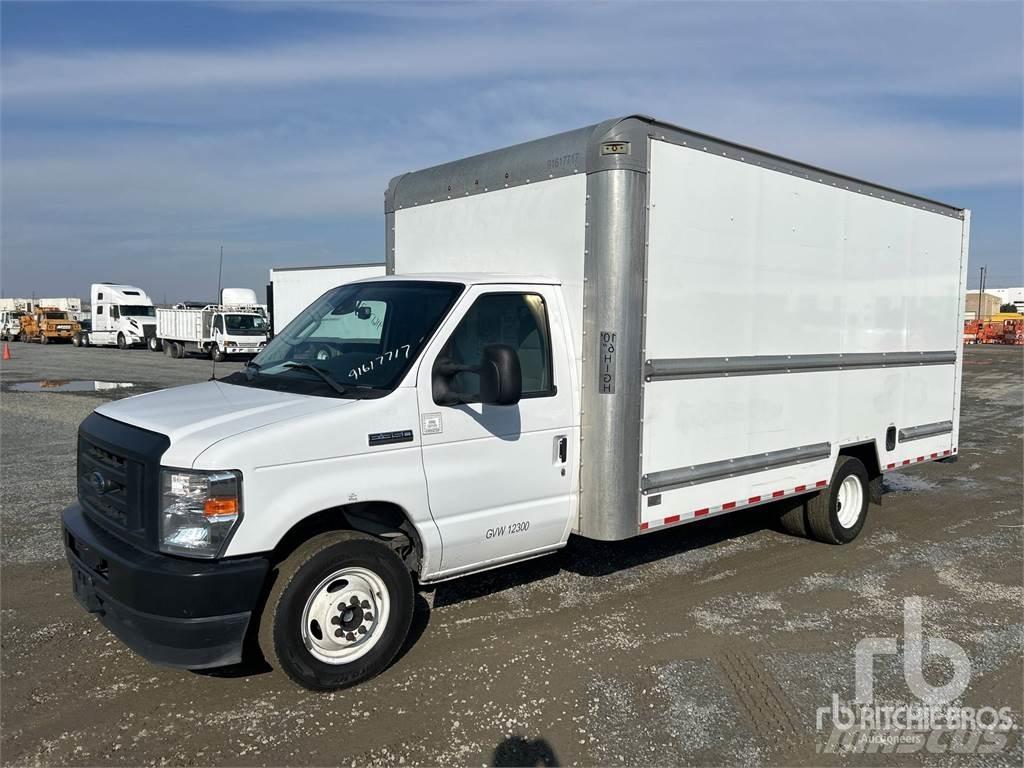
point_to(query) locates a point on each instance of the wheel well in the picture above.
(385, 520)
(867, 453)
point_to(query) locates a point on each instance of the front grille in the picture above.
(119, 477)
(108, 484)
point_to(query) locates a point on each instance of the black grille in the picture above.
(119, 476)
(108, 484)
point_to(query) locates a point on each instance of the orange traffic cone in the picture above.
(7, 351)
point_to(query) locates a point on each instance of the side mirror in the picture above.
(501, 378)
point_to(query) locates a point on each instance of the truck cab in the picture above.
(241, 331)
(122, 316)
(10, 324)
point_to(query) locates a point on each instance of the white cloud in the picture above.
(109, 152)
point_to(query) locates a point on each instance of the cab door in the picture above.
(498, 477)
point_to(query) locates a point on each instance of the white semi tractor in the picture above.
(537, 362)
(292, 289)
(236, 326)
(122, 316)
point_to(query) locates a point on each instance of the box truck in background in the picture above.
(537, 362)
(292, 289)
(122, 315)
(236, 326)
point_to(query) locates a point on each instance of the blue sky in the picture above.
(138, 137)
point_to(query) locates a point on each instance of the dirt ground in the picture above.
(708, 644)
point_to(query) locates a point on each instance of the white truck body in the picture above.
(696, 327)
(10, 324)
(70, 304)
(292, 289)
(122, 315)
(237, 326)
(17, 305)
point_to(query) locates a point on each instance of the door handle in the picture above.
(563, 448)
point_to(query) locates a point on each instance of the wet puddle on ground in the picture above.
(69, 385)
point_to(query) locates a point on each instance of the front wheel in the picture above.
(122, 342)
(338, 612)
(44, 339)
(217, 354)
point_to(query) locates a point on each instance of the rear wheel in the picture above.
(837, 514)
(338, 612)
(177, 350)
(76, 340)
(154, 344)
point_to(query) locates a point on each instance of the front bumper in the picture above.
(170, 610)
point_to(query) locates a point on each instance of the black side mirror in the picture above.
(501, 378)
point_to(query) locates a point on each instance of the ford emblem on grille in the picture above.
(99, 482)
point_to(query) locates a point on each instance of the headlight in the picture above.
(198, 511)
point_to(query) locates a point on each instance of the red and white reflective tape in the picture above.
(728, 506)
(918, 460)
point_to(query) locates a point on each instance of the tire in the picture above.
(217, 354)
(76, 340)
(122, 343)
(44, 339)
(837, 514)
(168, 348)
(306, 585)
(154, 344)
(177, 350)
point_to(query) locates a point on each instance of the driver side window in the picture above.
(517, 320)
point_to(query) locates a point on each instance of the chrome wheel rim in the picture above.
(345, 615)
(849, 501)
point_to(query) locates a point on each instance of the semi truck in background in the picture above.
(236, 326)
(122, 316)
(292, 289)
(47, 324)
(521, 374)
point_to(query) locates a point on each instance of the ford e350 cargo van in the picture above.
(537, 362)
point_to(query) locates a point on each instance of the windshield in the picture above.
(137, 310)
(245, 323)
(362, 336)
(56, 316)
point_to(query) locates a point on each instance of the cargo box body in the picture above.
(739, 319)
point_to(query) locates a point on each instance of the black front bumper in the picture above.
(172, 611)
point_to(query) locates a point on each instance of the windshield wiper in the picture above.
(339, 388)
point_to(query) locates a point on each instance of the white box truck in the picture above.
(292, 289)
(549, 355)
(236, 326)
(122, 315)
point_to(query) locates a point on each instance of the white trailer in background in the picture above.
(122, 315)
(70, 304)
(236, 326)
(292, 289)
(546, 355)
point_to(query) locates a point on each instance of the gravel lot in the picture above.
(708, 644)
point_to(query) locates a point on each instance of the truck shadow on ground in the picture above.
(586, 557)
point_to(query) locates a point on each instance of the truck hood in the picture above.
(196, 416)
